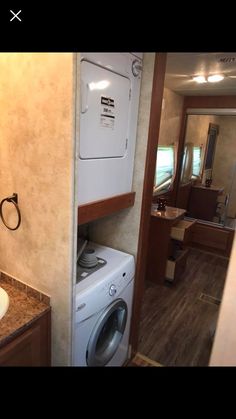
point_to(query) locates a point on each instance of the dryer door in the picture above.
(105, 101)
(107, 334)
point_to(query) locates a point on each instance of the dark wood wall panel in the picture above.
(210, 102)
(183, 195)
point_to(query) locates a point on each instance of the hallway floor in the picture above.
(177, 321)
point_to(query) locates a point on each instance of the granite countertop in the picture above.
(23, 310)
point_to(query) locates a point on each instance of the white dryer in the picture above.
(109, 102)
(103, 306)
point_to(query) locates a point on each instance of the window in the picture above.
(164, 168)
(197, 151)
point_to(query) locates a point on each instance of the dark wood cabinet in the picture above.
(203, 202)
(32, 347)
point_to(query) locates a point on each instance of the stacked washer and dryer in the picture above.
(109, 102)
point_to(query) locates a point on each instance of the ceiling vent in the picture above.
(227, 59)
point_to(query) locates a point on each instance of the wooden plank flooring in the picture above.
(176, 326)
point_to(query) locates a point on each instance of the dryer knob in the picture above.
(112, 290)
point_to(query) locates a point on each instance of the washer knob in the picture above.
(112, 290)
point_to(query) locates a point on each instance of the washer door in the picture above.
(107, 334)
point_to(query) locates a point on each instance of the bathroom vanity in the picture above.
(168, 235)
(25, 329)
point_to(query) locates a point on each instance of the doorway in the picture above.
(155, 119)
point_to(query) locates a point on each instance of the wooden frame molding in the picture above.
(209, 102)
(98, 209)
(153, 134)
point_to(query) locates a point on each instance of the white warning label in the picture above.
(107, 116)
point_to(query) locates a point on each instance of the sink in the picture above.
(4, 302)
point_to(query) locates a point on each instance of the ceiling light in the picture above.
(199, 79)
(215, 78)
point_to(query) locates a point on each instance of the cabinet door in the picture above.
(22, 351)
(31, 348)
(202, 203)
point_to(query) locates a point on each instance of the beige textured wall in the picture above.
(36, 161)
(170, 117)
(197, 128)
(122, 229)
(225, 159)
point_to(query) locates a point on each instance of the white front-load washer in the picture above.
(103, 306)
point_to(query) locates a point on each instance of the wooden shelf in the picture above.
(98, 209)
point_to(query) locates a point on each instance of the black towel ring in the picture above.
(13, 199)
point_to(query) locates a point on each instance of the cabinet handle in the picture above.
(84, 96)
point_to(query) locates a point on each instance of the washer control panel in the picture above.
(113, 287)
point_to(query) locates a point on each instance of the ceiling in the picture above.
(181, 67)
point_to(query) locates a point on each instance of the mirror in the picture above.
(207, 186)
(206, 105)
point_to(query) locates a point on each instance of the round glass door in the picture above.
(107, 334)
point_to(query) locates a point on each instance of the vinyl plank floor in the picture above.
(176, 327)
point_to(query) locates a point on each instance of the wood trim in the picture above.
(153, 134)
(183, 195)
(48, 337)
(210, 102)
(98, 209)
